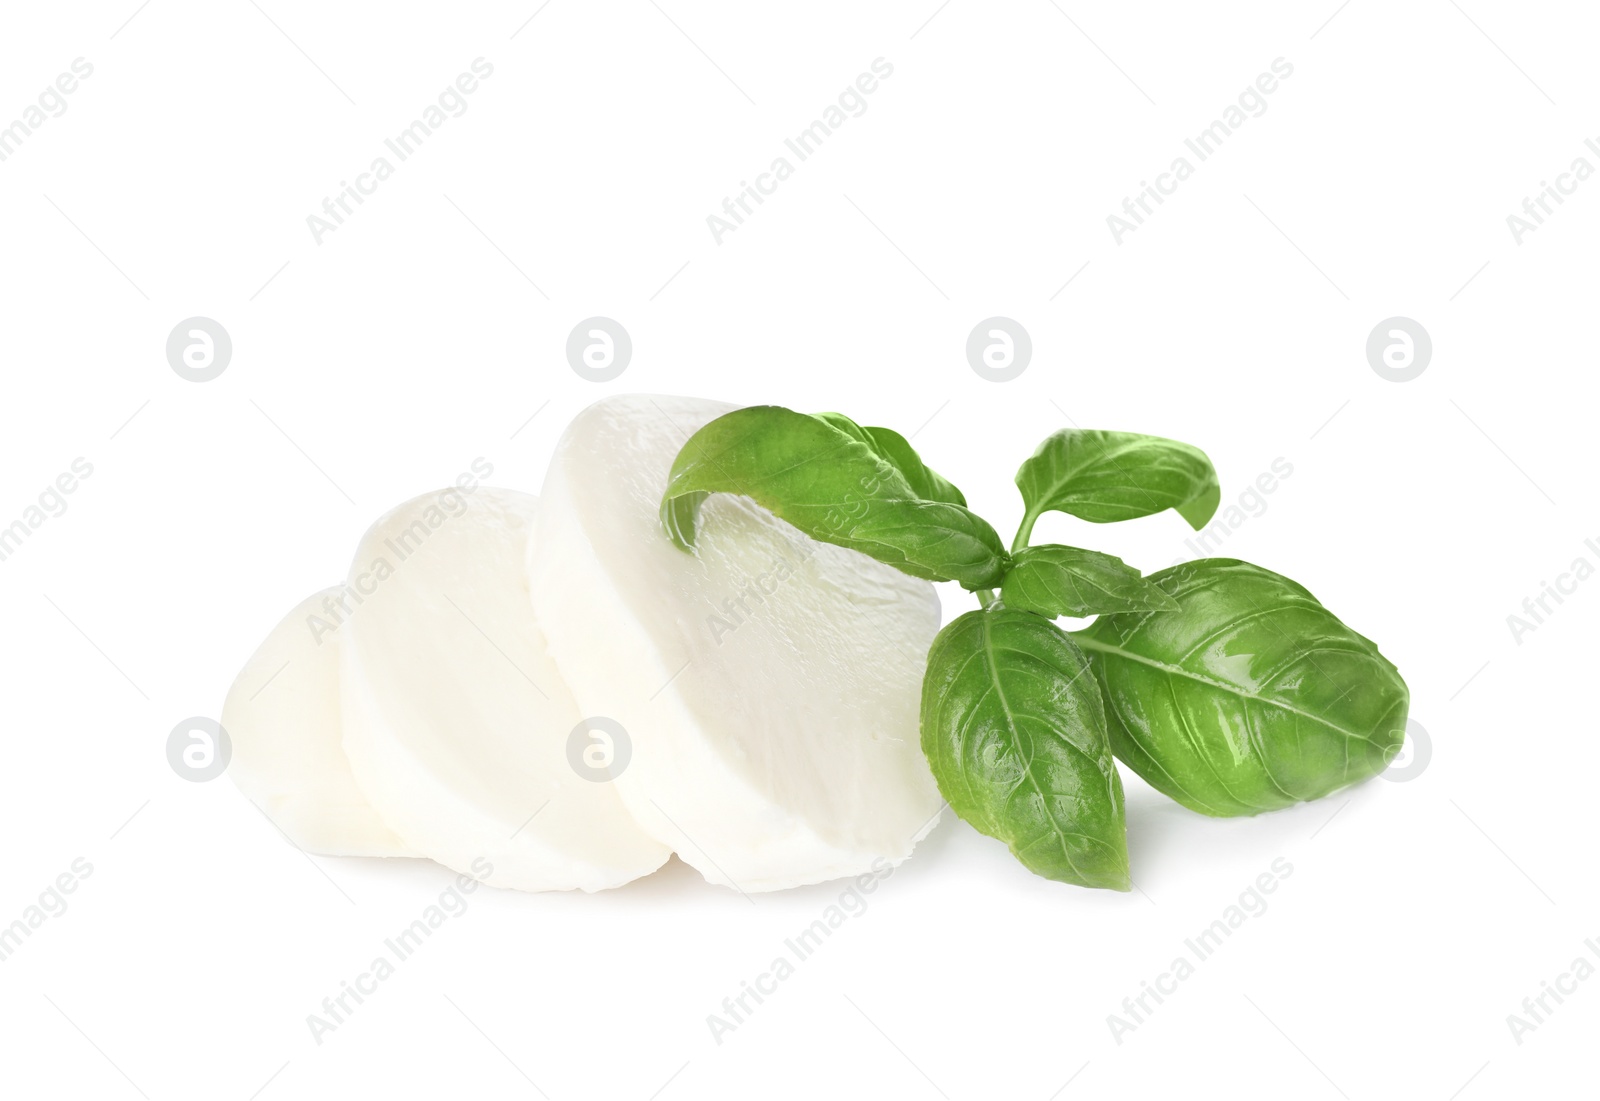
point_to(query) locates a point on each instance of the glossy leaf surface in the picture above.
(1014, 729)
(1056, 581)
(1251, 697)
(836, 485)
(895, 449)
(1108, 476)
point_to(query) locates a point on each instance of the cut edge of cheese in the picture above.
(282, 715)
(456, 722)
(742, 823)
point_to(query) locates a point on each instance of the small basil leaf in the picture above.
(925, 482)
(1107, 476)
(1013, 727)
(1251, 697)
(1054, 580)
(897, 450)
(833, 485)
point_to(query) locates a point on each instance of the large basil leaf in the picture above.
(834, 486)
(1251, 697)
(1054, 580)
(1013, 727)
(1107, 476)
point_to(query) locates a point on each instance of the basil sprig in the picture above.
(1224, 685)
(862, 488)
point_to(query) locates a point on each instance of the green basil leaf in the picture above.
(1107, 476)
(895, 449)
(1013, 727)
(1054, 580)
(835, 486)
(925, 482)
(1251, 697)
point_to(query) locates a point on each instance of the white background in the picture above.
(428, 329)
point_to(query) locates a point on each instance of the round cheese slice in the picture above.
(282, 719)
(767, 684)
(458, 726)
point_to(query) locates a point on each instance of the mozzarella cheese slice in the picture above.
(282, 719)
(768, 684)
(457, 725)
